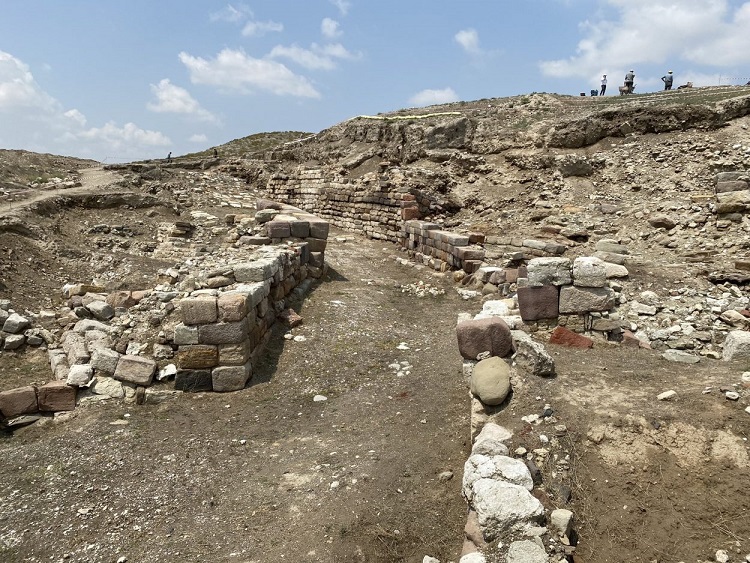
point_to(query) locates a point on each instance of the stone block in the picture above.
(316, 244)
(317, 259)
(300, 229)
(279, 229)
(733, 202)
(589, 271)
(101, 310)
(12, 341)
(193, 381)
(536, 303)
(16, 402)
(56, 396)
(258, 270)
(135, 369)
(184, 334)
(199, 310)
(74, 345)
(731, 186)
(586, 299)
(235, 354)
(197, 357)
(483, 335)
(230, 378)
(737, 346)
(104, 361)
(80, 375)
(469, 252)
(549, 271)
(531, 356)
(121, 299)
(611, 246)
(16, 324)
(566, 337)
(223, 333)
(319, 229)
(233, 306)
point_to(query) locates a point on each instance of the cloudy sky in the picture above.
(136, 79)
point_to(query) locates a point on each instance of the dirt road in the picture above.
(271, 473)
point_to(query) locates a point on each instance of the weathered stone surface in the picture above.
(74, 345)
(561, 521)
(615, 271)
(257, 271)
(611, 246)
(121, 299)
(101, 310)
(233, 306)
(737, 346)
(490, 380)
(184, 334)
(223, 333)
(79, 375)
(135, 369)
(235, 354)
(526, 551)
(536, 303)
(197, 357)
(733, 202)
(502, 507)
(108, 387)
(589, 271)
(18, 401)
(490, 440)
(13, 341)
(86, 325)
(104, 361)
(586, 299)
(531, 356)
(549, 271)
(56, 396)
(199, 310)
(498, 467)
(477, 336)
(193, 381)
(230, 378)
(680, 356)
(15, 324)
(566, 337)
(662, 222)
(319, 229)
(265, 215)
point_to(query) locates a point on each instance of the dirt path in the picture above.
(93, 180)
(269, 474)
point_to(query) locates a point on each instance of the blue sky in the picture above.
(136, 79)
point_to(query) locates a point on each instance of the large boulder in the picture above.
(490, 380)
(484, 335)
(737, 346)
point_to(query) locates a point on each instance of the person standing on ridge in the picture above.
(629, 78)
(604, 84)
(668, 79)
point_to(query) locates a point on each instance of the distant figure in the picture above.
(604, 85)
(169, 157)
(216, 153)
(629, 79)
(668, 79)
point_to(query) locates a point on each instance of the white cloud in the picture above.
(231, 13)
(469, 40)
(198, 138)
(236, 70)
(342, 5)
(657, 31)
(258, 29)
(120, 137)
(330, 28)
(18, 89)
(316, 58)
(434, 97)
(174, 99)
(76, 116)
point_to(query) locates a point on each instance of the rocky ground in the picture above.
(373, 472)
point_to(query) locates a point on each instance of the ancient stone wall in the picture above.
(377, 210)
(442, 250)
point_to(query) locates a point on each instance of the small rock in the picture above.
(722, 556)
(667, 395)
(445, 476)
(732, 395)
(320, 398)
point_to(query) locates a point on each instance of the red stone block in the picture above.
(536, 303)
(56, 396)
(16, 402)
(566, 337)
(484, 335)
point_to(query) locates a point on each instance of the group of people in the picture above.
(668, 80)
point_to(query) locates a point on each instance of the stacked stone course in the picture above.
(442, 250)
(376, 211)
